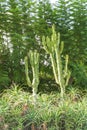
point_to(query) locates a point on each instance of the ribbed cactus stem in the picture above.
(54, 69)
(26, 71)
(34, 61)
(54, 48)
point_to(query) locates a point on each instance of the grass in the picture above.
(17, 111)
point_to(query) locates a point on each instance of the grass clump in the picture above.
(17, 112)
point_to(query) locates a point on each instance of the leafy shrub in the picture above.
(79, 75)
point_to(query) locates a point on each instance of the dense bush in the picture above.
(79, 75)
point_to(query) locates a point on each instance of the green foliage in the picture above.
(54, 49)
(70, 20)
(4, 80)
(4, 68)
(17, 34)
(79, 75)
(44, 18)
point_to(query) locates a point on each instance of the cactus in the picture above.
(34, 61)
(54, 48)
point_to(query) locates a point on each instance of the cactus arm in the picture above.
(67, 79)
(26, 72)
(45, 44)
(35, 70)
(66, 66)
(58, 41)
(67, 73)
(59, 67)
(54, 69)
(61, 47)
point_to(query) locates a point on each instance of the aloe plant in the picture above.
(54, 48)
(34, 61)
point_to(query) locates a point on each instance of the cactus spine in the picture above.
(34, 61)
(54, 48)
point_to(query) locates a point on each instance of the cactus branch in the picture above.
(34, 61)
(26, 71)
(54, 68)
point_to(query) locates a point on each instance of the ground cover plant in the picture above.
(17, 111)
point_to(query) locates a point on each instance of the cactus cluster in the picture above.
(34, 61)
(54, 48)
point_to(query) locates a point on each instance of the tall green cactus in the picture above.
(34, 61)
(54, 48)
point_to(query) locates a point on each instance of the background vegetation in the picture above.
(22, 25)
